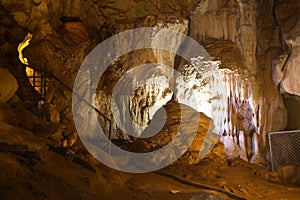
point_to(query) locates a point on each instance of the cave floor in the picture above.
(35, 166)
(47, 174)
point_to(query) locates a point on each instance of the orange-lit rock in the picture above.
(8, 85)
(74, 32)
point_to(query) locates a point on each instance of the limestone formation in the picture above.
(183, 121)
(247, 80)
(255, 43)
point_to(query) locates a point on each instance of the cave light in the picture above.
(36, 79)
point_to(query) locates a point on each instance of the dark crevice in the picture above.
(66, 154)
(285, 46)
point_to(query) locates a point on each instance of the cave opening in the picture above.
(292, 104)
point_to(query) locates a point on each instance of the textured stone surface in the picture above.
(183, 120)
(8, 85)
(51, 113)
(74, 32)
(146, 99)
(248, 80)
(290, 28)
(31, 15)
(44, 17)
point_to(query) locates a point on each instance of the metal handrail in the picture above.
(40, 70)
(24, 61)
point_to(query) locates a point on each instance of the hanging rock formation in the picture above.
(254, 106)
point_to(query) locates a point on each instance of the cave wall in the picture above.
(289, 23)
(254, 106)
(257, 43)
(43, 17)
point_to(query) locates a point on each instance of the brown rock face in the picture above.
(74, 32)
(44, 17)
(290, 27)
(51, 113)
(255, 51)
(8, 85)
(290, 175)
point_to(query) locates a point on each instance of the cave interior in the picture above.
(159, 99)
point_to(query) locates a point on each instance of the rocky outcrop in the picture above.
(181, 120)
(43, 17)
(8, 85)
(34, 165)
(51, 113)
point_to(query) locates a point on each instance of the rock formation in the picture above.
(223, 96)
(8, 85)
(254, 44)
